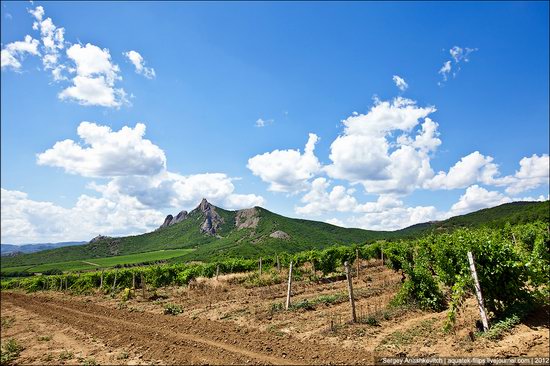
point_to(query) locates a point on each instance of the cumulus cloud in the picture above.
(319, 200)
(366, 152)
(137, 171)
(473, 168)
(287, 170)
(106, 153)
(139, 63)
(14, 52)
(93, 91)
(387, 212)
(396, 218)
(400, 82)
(533, 172)
(92, 73)
(94, 83)
(25, 220)
(475, 198)
(172, 190)
(53, 40)
(390, 213)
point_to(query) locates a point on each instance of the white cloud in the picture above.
(386, 213)
(458, 55)
(335, 221)
(14, 52)
(91, 60)
(53, 40)
(107, 154)
(167, 189)
(473, 168)
(318, 200)
(263, 122)
(9, 61)
(139, 63)
(239, 201)
(445, 70)
(540, 198)
(366, 154)
(138, 170)
(95, 75)
(400, 82)
(94, 91)
(287, 170)
(533, 172)
(25, 220)
(38, 14)
(475, 198)
(95, 78)
(389, 213)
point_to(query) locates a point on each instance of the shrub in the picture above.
(10, 351)
(172, 309)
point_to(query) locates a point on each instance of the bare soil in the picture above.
(223, 322)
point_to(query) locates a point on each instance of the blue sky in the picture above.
(228, 94)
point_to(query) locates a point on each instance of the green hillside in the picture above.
(228, 241)
(254, 232)
(494, 217)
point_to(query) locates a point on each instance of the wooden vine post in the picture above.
(217, 271)
(260, 266)
(114, 282)
(357, 261)
(142, 286)
(382, 254)
(287, 305)
(101, 280)
(134, 281)
(478, 293)
(278, 264)
(350, 292)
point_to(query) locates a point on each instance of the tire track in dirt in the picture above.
(181, 339)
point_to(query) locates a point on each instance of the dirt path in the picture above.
(181, 339)
(91, 264)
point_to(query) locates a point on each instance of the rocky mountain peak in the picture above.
(204, 205)
(212, 220)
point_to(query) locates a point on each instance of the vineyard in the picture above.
(404, 292)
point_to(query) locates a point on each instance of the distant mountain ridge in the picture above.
(12, 249)
(216, 233)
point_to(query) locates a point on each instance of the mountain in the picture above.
(214, 232)
(519, 212)
(12, 249)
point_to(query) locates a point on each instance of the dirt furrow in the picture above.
(182, 339)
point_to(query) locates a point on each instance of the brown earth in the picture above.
(224, 322)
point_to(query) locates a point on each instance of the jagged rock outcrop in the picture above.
(247, 218)
(179, 217)
(99, 238)
(171, 220)
(167, 221)
(279, 235)
(212, 220)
